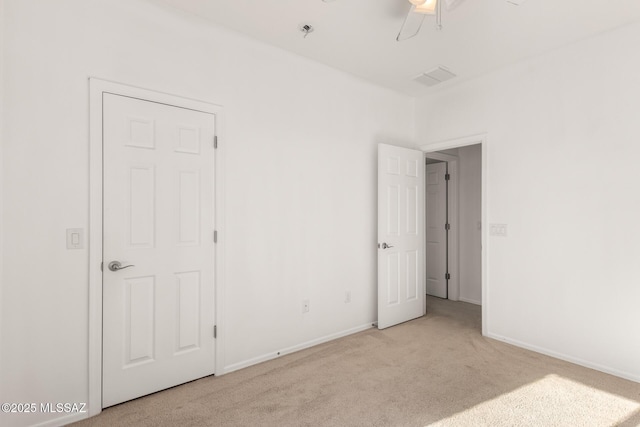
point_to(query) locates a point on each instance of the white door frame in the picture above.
(453, 285)
(482, 139)
(96, 88)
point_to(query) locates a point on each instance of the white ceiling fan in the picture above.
(418, 12)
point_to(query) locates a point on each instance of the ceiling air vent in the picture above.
(435, 76)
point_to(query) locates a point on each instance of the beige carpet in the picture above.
(434, 371)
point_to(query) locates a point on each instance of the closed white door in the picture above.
(401, 293)
(436, 232)
(158, 306)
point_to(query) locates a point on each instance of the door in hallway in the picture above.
(436, 240)
(158, 269)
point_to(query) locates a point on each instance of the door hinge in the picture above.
(447, 177)
(215, 236)
(447, 226)
(447, 276)
(215, 141)
(215, 331)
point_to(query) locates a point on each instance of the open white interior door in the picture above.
(401, 234)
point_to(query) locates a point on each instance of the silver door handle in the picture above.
(117, 265)
(385, 246)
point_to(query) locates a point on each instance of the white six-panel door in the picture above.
(401, 290)
(158, 314)
(436, 232)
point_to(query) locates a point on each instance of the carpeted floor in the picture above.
(434, 371)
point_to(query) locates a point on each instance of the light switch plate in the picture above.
(75, 238)
(499, 230)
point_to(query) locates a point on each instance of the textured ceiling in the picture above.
(359, 36)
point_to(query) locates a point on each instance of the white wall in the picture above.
(470, 215)
(563, 174)
(300, 141)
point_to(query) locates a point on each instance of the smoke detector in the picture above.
(306, 29)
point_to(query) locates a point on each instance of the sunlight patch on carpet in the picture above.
(551, 401)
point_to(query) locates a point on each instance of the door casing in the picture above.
(96, 88)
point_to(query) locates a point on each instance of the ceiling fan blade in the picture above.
(452, 4)
(411, 25)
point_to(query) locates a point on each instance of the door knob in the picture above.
(385, 246)
(117, 265)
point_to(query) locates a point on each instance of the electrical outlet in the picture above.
(347, 296)
(305, 306)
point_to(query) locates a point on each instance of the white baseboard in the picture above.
(64, 420)
(293, 349)
(470, 301)
(602, 368)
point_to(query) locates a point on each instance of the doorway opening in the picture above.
(454, 222)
